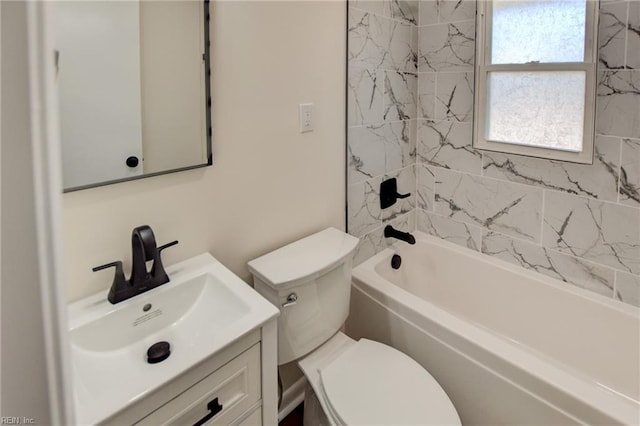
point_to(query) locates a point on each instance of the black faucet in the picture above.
(390, 232)
(144, 249)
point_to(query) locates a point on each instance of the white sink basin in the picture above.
(202, 309)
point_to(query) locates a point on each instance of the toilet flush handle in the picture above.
(291, 300)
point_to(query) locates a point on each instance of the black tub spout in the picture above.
(390, 232)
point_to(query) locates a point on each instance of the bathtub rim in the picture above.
(503, 264)
(543, 369)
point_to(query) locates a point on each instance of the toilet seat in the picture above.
(371, 383)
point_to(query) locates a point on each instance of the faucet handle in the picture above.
(117, 264)
(157, 271)
(118, 278)
(120, 289)
(389, 193)
(171, 244)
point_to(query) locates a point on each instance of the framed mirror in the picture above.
(134, 90)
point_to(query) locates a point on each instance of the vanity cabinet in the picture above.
(224, 397)
(237, 386)
(222, 365)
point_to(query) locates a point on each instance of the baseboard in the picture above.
(292, 397)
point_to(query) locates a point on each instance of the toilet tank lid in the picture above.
(304, 259)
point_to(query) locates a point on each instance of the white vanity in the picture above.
(222, 365)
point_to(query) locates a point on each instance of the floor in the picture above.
(294, 418)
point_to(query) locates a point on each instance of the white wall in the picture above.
(269, 184)
(24, 389)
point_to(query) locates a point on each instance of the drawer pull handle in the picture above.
(214, 407)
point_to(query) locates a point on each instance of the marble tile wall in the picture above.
(382, 111)
(576, 223)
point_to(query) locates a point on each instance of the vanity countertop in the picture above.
(203, 309)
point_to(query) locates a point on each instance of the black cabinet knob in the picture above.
(132, 161)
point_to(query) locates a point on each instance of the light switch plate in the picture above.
(306, 117)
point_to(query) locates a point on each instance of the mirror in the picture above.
(134, 92)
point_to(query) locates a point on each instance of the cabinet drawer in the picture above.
(235, 385)
(254, 419)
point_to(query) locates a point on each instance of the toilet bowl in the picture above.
(355, 382)
(369, 383)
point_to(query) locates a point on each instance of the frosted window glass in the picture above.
(543, 109)
(539, 30)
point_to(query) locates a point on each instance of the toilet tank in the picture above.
(310, 282)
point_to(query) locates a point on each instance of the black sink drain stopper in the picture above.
(158, 352)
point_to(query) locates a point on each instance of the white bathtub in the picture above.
(509, 346)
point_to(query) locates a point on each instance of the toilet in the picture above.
(355, 382)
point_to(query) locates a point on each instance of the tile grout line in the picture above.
(626, 34)
(542, 214)
(581, 260)
(536, 187)
(388, 17)
(553, 250)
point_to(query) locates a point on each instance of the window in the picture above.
(535, 78)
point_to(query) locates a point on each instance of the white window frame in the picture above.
(483, 67)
